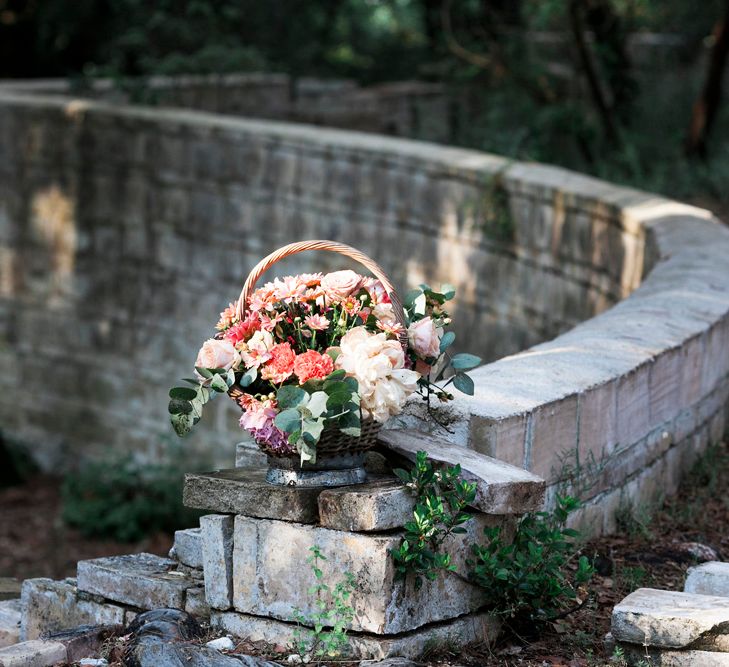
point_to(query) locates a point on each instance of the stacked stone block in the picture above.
(254, 552)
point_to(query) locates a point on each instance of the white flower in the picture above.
(378, 366)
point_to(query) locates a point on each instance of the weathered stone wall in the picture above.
(414, 109)
(123, 232)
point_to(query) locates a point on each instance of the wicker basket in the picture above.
(333, 443)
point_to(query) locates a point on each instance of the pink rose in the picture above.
(217, 354)
(340, 284)
(423, 338)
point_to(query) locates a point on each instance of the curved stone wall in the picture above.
(123, 231)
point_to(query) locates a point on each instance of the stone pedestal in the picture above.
(254, 552)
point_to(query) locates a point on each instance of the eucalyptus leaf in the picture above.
(291, 396)
(339, 374)
(463, 383)
(411, 296)
(419, 305)
(338, 393)
(219, 384)
(465, 361)
(182, 423)
(448, 291)
(178, 406)
(248, 377)
(447, 340)
(312, 428)
(317, 404)
(350, 424)
(288, 420)
(204, 372)
(183, 393)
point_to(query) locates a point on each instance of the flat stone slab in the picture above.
(245, 491)
(377, 505)
(670, 619)
(51, 606)
(187, 547)
(669, 658)
(470, 629)
(141, 580)
(708, 579)
(271, 577)
(33, 653)
(9, 622)
(501, 488)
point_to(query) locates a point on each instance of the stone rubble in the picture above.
(33, 653)
(9, 622)
(708, 579)
(140, 580)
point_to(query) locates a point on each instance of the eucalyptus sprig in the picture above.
(306, 410)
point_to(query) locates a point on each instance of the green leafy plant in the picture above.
(530, 577)
(440, 511)
(124, 499)
(328, 636)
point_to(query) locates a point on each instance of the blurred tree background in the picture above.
(628, 90)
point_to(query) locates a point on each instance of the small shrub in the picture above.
(125, 500)
(440, 511)
(531, 578)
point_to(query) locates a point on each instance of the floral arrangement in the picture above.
(323, 351)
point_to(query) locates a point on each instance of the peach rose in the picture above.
(340, 284)
(424, 339)
(217, 354)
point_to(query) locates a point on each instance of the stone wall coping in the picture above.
(684, 295)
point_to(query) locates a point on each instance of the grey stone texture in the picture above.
(265, 583)
(50, 606)
(196, 604)
(245, 491)
(33, 653)
(462, 631)
(378, 505)
(501, 488)
(140, 580)
(9, 622)
(673, 620)
(187, 547)
(217, 551)
(618, 299)
(708, 579)
(667, 658)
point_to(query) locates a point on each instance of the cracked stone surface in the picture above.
(141, 580)
(670, 619)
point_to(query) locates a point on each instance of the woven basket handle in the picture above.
(332, 246)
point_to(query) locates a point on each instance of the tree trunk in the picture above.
(707, 104)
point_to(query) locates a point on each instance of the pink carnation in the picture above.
(227, 318)
(281, 364)
(242, 331)
(312, 365)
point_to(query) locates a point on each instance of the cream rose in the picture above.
(217, 354)
(340, 284)
(257, 350)
(424, 338)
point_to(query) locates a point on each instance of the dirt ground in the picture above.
(34, 541)
(649, 551)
